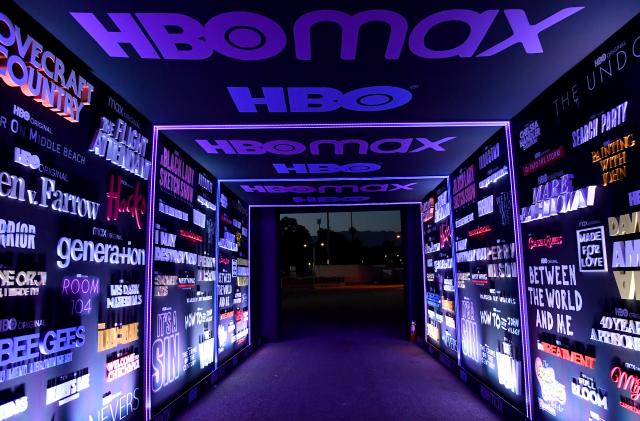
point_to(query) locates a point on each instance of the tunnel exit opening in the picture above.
(341, 272)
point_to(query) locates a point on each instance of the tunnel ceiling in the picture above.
(333, 191)
(256, 62)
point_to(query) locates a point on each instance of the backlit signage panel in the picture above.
(439, 282)
(184, 264)
(233, 276)
(578, 188)
(74, 160)
(249, 36)
(490, 323)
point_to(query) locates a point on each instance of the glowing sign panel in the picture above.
(251, 36)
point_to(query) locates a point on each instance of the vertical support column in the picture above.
(423, 259)
(454, 267)
(264, 274)
(522, 288)
(216, 308)
(411, 244)
(148, 284)
(250, 321)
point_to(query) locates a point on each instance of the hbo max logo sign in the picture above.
(318, 99)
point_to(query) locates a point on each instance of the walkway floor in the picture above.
(343, 358)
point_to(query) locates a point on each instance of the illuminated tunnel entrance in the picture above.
(148, 151)
(342, 269)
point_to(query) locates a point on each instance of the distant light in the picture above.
(398, 236)
(309, 263)
(397, 255)
(321, 244)
(305, 246)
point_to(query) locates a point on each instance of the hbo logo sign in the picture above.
(21, 113)
(26, 159)
(325, 168)
(7, 325)
(319, 100)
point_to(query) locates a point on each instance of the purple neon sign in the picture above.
(333, 188)
(388, 146)
(250, 36)
(319, 99)
(231, 150)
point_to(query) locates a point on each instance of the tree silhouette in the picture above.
(295, 245)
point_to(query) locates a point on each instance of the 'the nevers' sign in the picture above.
(251, 36)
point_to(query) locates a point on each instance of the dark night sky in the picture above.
(340, 221)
